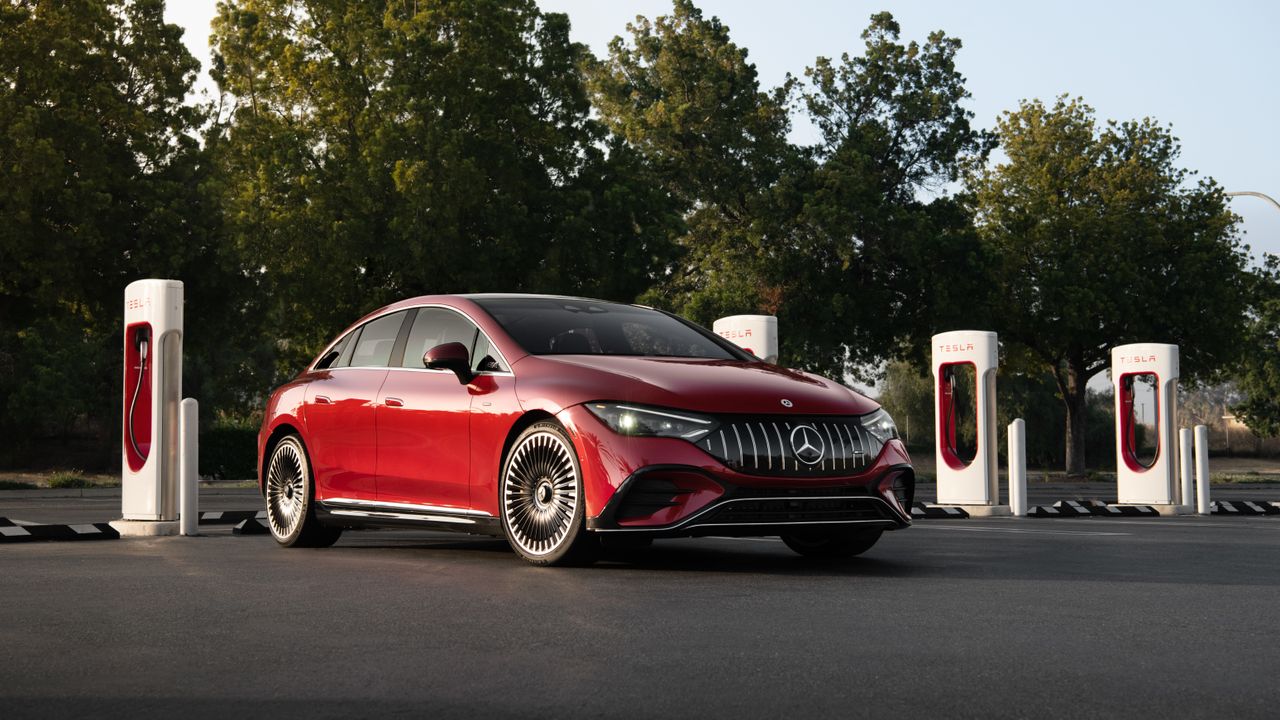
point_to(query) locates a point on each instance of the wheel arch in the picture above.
(521, 424)
(278, 433)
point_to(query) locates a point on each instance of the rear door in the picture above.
(423, 419)
(340, 411)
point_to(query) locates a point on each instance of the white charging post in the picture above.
(1142, 481)
(189, 487)
(1186, 456)
(1202, 471)
(969, 482)
(757, 334)
(1018, 468)
(151, 395)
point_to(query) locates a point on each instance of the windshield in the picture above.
(565, 326)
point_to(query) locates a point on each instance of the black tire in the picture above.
(290, 491)
(542, 504)
(830, 545)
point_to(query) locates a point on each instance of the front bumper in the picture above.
(663, 487)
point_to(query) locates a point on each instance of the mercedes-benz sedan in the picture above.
(566, 424)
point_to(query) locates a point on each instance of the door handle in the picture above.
(323, 400)
(392, 402)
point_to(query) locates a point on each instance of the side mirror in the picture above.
(451, 356)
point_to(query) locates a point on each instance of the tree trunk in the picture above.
(1075, 397)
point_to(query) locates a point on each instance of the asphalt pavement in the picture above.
(1004, 617)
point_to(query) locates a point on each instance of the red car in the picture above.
(567, 424)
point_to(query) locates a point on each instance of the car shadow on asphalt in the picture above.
(757, 556)
(1154, 565)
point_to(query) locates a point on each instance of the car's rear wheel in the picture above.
(290, 494)
(542, 501)
(840, 544)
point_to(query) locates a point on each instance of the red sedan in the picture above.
(567, 424)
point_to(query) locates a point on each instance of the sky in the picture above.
(1207, 69)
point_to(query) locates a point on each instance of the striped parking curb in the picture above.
(231, 517)
(1090, 508)
(12, 533)
(250, 526)
(937, 512)
(1244, 507)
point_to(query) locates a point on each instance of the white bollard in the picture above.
(1018, 468)
(1202, 469)
(188, 488)
(1186, 459)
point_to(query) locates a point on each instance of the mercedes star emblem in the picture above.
(807, 444)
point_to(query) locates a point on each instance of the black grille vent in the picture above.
(768, 446)
(648, 495)
(792, 510)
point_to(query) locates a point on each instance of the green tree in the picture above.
(1098, 239)
(772, 226)
(377, 150)
(99, 185)
(683, 96)
(1258, 378)
(877, 234)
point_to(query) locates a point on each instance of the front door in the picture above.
(423, 419)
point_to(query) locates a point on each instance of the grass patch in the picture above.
(69, 479)
(1244, 477)
(16, 485)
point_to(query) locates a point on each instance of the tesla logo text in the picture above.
(1137, 358)
(734, 334)
(955, 347)
(807, 444)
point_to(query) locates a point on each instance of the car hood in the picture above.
(712, 386)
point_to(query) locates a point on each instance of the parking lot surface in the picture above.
(976, 618)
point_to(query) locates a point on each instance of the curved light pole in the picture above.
(1251, 193)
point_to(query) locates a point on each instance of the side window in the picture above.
(484, 359)
(344, 360)
(376, 341)
(436, 326)
(330, 358)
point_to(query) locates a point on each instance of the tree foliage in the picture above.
(771, 226)
(1258, 377)
(379, 150)
(99, 185)
(361, 152)
(1098, 238)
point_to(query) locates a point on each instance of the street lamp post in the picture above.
(1251, 193)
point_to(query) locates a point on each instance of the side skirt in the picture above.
(348, 513)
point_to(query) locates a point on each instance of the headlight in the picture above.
(881, 425)
(652, 422)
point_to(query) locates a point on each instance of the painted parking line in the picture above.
(1014, 531)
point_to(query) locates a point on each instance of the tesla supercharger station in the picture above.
(151, 399)
(1147, 481)
(757, 334)
(971, 482)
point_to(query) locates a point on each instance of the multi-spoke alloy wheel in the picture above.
(288, 491)
(541, 496)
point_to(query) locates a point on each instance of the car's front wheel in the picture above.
(290, 494)
(840, 544)
(542, 501)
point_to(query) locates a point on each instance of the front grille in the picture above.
(794, 510)
(768, 446)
